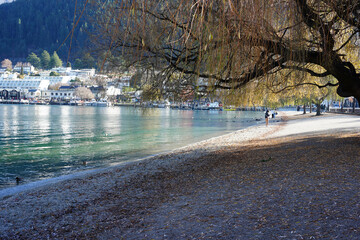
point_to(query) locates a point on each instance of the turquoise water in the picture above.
(40, 142)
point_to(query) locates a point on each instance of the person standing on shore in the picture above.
(267, 115)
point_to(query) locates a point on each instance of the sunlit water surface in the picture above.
(40, 142)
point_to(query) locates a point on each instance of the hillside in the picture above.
(34, 25)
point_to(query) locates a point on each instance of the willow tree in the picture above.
(233, 43)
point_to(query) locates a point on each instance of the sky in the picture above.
(3, 1)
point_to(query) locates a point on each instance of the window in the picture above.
(52, 94)
(56, 94)
(65, 94)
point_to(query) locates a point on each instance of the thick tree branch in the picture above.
(311, 72)
(329, 84)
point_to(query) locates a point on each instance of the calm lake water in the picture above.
(40, 142)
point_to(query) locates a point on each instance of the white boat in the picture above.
(91, 103)
(24, 101)
(101, 103)
(161, 105)
(214, 105)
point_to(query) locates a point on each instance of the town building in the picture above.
(27, 67)
(23, 84)
(113, 91)
(31, 94)
(124, 82)
(52, 79)
(63, 93)
(64, 71)
(82, 73)
(98, 91)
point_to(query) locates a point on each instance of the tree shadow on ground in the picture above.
(303, 187)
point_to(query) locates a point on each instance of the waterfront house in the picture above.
(32, 93)
(63, 93)
(10, 94)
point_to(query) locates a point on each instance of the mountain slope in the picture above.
(34, 25)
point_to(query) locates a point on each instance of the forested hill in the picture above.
(34, 25)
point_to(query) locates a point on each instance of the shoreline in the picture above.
(255, 183)
(67, 147)
(6, 192)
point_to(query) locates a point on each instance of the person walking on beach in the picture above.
(267, 115)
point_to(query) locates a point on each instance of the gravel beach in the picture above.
(298, 178)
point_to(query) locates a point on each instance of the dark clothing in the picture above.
(267, 114)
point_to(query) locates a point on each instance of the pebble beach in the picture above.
(298, 178)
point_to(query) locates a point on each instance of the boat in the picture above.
(101, 103)
(90, 103)
(214, 105)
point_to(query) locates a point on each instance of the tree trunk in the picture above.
(310, 107)
(304, 108)
(318, 109)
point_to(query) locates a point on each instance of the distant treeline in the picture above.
(28, 26)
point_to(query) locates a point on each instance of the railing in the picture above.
(345, 110)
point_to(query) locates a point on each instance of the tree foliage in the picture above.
(84, 93)
(55, 86)
(55, 61)
(30, 26)
(86, 61)
(45, 60)
(54, 74)
(34, 60)
(6, 63)
(237, 44)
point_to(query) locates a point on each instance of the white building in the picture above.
(8, 76)
(32, 93)
(124, 82)
(27, 67)
(52, 79)
(64, 93)
(44, 73)
(82, 73)
(62, 70)
(113, 91)
(22, 84)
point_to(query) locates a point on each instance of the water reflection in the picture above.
(38, 142)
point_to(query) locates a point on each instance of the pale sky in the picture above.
(3, 1)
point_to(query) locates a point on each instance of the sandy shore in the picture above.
(296, 179)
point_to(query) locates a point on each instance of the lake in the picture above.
(39, 142)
